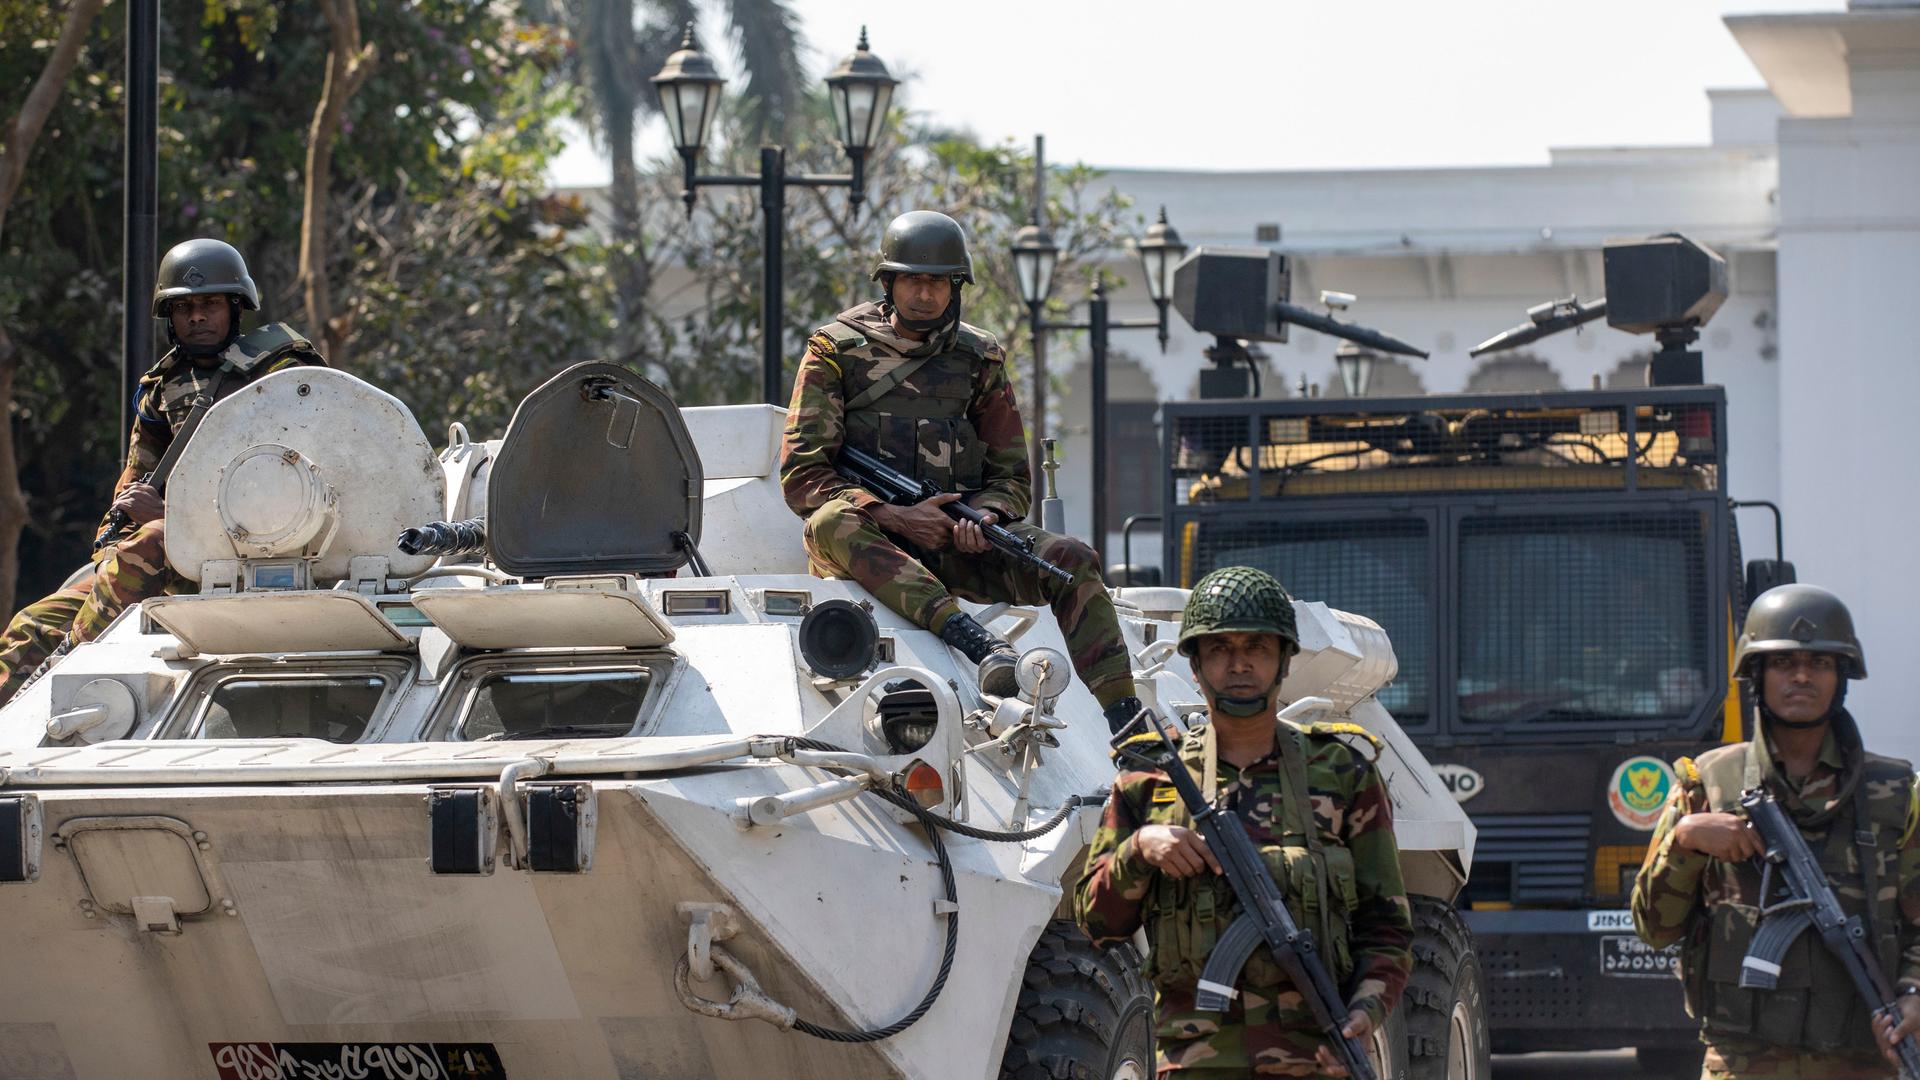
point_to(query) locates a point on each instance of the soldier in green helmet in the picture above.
(200, 290)
(1698, 886)
(1315, 807)
(905, 379)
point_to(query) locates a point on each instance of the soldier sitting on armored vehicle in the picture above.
(904, 379)
(201, 288)
(1319, 813)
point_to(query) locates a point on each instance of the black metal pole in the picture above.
(1097, 340)
(1037, 407)
(141, 247)
(773, 208)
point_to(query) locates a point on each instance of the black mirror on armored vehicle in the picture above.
(1764, 574)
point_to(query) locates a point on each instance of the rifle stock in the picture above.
(1263, 919)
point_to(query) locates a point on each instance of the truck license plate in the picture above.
(357, 1061)
(1628, 957)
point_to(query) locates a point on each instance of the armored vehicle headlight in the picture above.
(921, 782)
(839, 639)
(906, 715)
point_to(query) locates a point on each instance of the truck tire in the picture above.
(1084, 1013)
(1445, 1004)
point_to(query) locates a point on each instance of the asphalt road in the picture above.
(1612, 1064)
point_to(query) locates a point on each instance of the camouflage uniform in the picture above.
(132, 564)
(1340, 875)
(1708, 906)
(952, 421)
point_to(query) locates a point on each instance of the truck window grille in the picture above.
(1605, 440)
(1381, 568)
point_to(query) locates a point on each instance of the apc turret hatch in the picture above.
(292, 478)
(597, 474)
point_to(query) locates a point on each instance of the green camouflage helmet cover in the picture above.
(1238, 598)
(924, 242)
(1792, 618)
(202, 266)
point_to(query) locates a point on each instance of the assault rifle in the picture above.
(1810, 903)
(1263, 919)
(117, 518)
(896, 487)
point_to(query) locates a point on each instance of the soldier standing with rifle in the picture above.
(906, 382)
(1319, 815)
(200, 290)
(1787, 1005)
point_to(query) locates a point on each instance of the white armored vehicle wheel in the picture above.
(597, 782)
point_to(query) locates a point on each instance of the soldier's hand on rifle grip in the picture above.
(1175, 851)
(924, 523)
(1727, 837)
(1359, 1025)
(1887, 1035)
(969, 538)
(141, 503)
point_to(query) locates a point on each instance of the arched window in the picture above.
(1630, 373)
(1514, 373)
(1392, 377)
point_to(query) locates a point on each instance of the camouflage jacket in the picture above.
(1341, 880)
(1708, 906)
(167, 391)
(953, 420)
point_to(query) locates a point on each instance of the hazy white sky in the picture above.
(1290, 84)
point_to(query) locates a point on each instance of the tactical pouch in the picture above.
(1321, 894)
(1815, 1006)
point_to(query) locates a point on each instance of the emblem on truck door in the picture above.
(1639, 789)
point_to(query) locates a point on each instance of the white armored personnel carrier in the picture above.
(556, 808)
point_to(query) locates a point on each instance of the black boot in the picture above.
(1121, 713)
(996, 658)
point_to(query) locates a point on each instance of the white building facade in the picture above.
(1810, 189)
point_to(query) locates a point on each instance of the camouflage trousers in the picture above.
(1258, 1035)
(126, 573)
(843, 541)
(1785, 1063)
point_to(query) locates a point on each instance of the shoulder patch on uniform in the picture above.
(1165, 793)
(844, 337)
(1336, 729)
(1145, 745)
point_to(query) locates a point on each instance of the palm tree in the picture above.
(620, 43)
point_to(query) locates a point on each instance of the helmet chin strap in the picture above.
(1242, 706)
(949, 316)
(1833, 711)
(233, 332)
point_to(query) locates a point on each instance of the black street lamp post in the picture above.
(861, 89)
(1034, 258)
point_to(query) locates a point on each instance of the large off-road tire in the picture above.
(1084, 1013)
(1446, 1003)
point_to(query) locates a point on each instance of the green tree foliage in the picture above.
(443, 238)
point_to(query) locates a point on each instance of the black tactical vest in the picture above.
(911, 410)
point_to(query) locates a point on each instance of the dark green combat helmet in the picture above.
(1238, 598)
(201, 267)
(1793, 618)
(924, 242)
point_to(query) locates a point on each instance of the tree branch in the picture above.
(349, 62)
